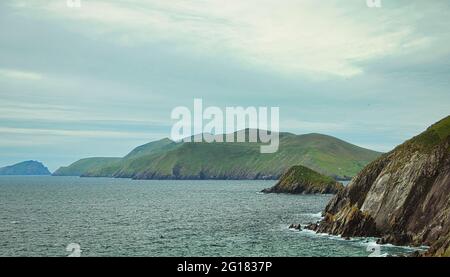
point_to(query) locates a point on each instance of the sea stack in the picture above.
(302, 180)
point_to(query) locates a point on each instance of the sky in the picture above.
(103, 78)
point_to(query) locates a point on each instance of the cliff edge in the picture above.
(403, 196)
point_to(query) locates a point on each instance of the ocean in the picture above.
(42, 216)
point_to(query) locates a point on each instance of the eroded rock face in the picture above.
(350, 221)
(405, 194)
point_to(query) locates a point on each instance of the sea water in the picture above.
(41, 216)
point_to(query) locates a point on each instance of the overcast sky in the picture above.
(100, 79)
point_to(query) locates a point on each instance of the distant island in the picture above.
(402, 197)
(302, 180)
(25, 168)
(166, 159)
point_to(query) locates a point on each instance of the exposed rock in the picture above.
(295, 226)
(396, 239)
(312, 226)
(302, 180)
(348, 222)
(404, 195)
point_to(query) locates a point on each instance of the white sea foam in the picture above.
(369, 243)
(314, 215)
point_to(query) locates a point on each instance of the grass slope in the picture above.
(104, 167)
(299, 179)
(166, 159)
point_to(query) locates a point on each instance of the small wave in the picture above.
(369, 243)
(411, 248)
(383, 250)
(313, 233)
(372, 242)
(314, 215)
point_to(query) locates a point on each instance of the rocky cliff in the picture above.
(302, 180)
(403, 196)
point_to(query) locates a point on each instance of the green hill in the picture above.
(302, 180)
(165, 159)
(104, 167)
(25, 168)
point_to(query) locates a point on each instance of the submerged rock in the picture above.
(403, 196)
(302, 180)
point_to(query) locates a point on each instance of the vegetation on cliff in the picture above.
(302, 180)
(103, 166)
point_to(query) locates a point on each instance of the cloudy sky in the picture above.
(100, 79)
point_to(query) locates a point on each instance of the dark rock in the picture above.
(312, 226)
(396, 239)
(295, 226)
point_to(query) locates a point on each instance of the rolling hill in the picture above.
(82, 166)
(165, 159)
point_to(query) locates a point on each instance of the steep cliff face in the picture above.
(406, 193)
(302, 180)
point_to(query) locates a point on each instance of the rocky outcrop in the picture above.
(403, 196)
(295, 226)
(302, 180)
(348, 222)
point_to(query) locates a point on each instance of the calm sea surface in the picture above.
(40, 216)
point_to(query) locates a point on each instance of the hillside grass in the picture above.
(165, 158)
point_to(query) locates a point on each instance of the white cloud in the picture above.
(73, 133)
(300, 126)
(20, 75)
(307, 37)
